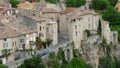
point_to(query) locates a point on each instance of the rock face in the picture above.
(90, 50)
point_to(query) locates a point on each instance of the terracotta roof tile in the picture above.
(67, 10)
(13, 29)
(49, 10)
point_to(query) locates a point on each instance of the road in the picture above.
(61, 41)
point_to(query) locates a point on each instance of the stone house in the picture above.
(48, 29)
(43, 24)
(74, 22)
(110, 36)
(8, 11)
(16, 36)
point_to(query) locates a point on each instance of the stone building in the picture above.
(45, 25)
(14, 36)
(8, 11)
(74, 22)
(48, 29)
(106, 31)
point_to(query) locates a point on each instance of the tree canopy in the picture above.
(107, 62)
(38, 43)
(76, 63)
(37, 0)
(75, 3)
(3, 66)
(14, 3)
(34, 62)
(100, 4)
(112, 15)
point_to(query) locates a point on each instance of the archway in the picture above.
(68, 54)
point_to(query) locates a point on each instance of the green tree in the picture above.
(60, 54)
(6, 52)
(76, 63)
(48, 41)
(89, 66)
(108, 50)
(111, 15)
(107, 62)
(34, 62)
(53, 62)
(117, 61)
(100, 4)
(75, 3)
(88, 33)
(38, 43)
(52, 1)
(3, 66)
(77, 53)
(37, 0)
(113, 2)
(14, 3)
(30, 50)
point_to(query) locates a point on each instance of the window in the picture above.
(75, 26)
(21, 40)
(41, 34)
(12, 43)
(76, 33)
(5, 45)
(40, 28)
(5, 39)
(15, 43)
(73, 20)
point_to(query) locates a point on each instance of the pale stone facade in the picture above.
(48, 29)
(15, 36)
(41, 28)
(73, 24)
(106, 31)
(52, 31)
(114, 37)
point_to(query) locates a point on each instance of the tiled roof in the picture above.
(39, 4)
(67, 10)
(13, 29)
(4, 9)
(49, 10)
(79, 13)
(25, 5)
